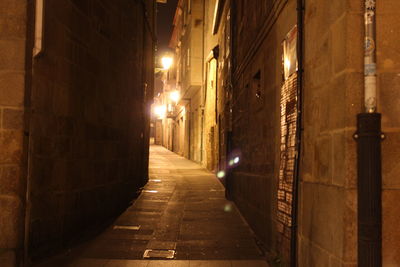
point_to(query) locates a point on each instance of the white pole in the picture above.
(370, 94)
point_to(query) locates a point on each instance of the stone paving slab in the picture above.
(164, 263)
(183, 207)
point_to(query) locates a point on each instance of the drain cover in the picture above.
(127, 227)
(159, 253)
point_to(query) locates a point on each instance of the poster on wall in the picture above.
(290, 64)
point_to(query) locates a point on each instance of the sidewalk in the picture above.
(181, 211)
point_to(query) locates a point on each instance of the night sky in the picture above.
(165, 16)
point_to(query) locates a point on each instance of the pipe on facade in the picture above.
(296, 178)
(369, 137)
(228, 150)
(204, 85)
(370, 57)
(35, 19)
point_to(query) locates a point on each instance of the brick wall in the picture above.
(89, 125)
(13, 42)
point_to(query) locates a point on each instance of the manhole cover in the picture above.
(127, 227)
(159, 253)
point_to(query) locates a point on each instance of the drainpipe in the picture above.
(228, 177)
(35, 13)
(295, 203)
(369, 137)
(203, 85)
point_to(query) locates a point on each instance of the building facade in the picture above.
(187, 41)
(202, 105)
(76, 85)
(282, 84)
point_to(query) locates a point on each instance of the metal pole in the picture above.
(370, 57)
(369, 186)
(369, 137)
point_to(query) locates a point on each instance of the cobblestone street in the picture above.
(183, 209)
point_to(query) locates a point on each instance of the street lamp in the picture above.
(160, 111)
(166, 62)
(174, 96)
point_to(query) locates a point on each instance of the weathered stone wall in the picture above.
(333, 85)
(224, 88)
(388, 59)
(91, 88)
(216, 85)
(210, 90)
(258, 34)
(333, 96)
(13, 142)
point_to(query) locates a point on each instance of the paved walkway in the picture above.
(182, 208)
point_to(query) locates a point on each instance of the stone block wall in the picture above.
(90, 107)
(224, 89)
(333, 96)
(388, 64)
(257, 53)
(333, 86)
(13, 141)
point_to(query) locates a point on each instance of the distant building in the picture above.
(187, 40)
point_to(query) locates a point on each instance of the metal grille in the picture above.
(287, 154)
(159, 253)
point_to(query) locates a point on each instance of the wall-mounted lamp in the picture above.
(175, 96)
(160, 111)
(166, 62)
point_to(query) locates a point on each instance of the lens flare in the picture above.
(228, 208)
(221, 174)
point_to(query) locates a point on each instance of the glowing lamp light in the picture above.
(166, 62)
(160, 111)
(236, 160)
(174, 96)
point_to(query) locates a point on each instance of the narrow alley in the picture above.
(199, 133)
(182, 210)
